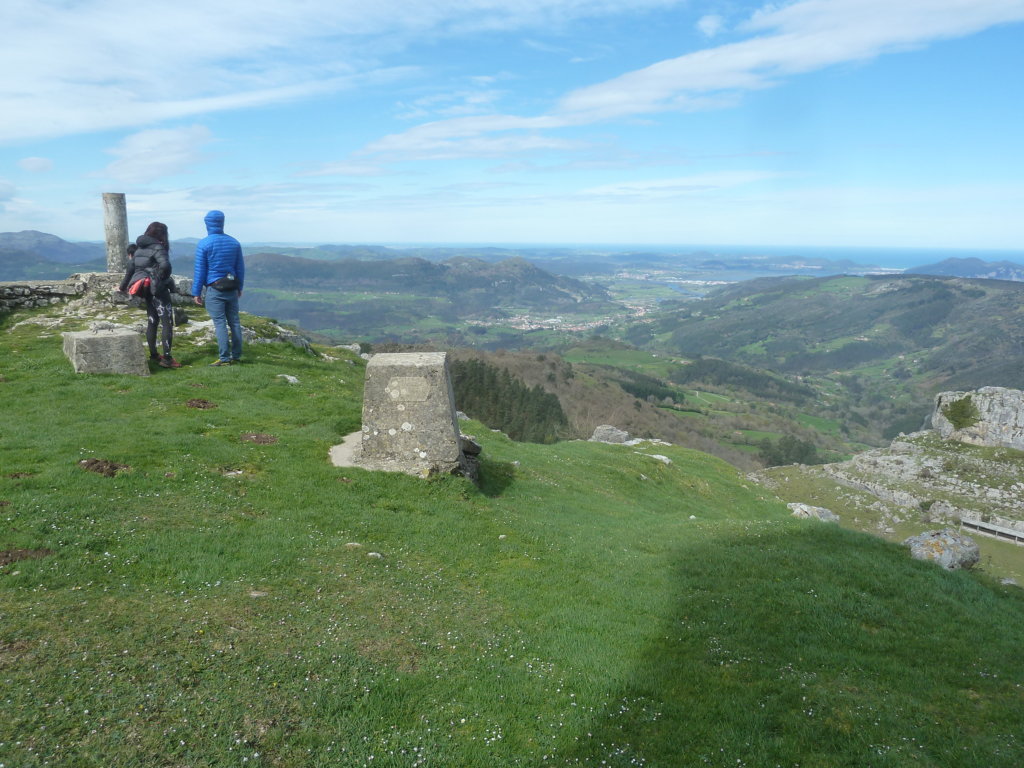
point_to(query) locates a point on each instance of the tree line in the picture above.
(493, 396)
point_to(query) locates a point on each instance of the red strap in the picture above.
(139, 285)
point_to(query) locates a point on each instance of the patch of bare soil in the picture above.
(198, 402)
(258, 438)
(9, 556)
(19, 475)
(102, 466)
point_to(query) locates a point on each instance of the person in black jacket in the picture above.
(148, 276)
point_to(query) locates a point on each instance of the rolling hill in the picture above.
(397, 298)
(31, 255)
(972, 267)
(877, 348)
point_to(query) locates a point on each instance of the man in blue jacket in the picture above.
(220, 270)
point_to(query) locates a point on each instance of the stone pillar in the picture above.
(115, 229)
(409, 419)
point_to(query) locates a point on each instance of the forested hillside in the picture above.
(497, 398)
(398, 298)
(877, 348)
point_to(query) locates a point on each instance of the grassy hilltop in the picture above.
(225, 597)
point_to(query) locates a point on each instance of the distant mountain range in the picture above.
(31, 255)
(37, 255)
(364, 297)
(42, 247)
(972, 267)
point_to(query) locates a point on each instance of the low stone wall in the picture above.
(99, 285)
(36, 293)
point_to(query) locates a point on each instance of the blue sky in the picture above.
(893, 123)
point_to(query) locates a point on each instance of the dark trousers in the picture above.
(160, 313)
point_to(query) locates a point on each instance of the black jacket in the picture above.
(151, 260)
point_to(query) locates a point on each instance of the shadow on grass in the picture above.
(495, 477)
(793, 644)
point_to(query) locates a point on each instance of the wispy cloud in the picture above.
(470, 136)
(677, 187)
(800, 37)
(785, 41)
(450, 104)
(36, 164)
(346, 168)
(710, 25)
(153, 154)
(91, 65)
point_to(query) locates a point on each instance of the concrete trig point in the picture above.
(409, 420)
(106, 350)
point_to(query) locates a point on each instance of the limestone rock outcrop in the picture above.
(947, 548)
(807, 512)
(606, 433)
(990, 416)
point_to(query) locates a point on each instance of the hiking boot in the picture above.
(218, 363)
(166, 361)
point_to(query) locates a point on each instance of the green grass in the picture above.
(216, 603)
(703, 397)
(758, 434)
(823, 425)
(859, 511)
(637, 360)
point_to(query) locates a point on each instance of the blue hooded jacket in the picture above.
(217, 255)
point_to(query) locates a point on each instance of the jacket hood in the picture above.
(146, 241)
(214, 223)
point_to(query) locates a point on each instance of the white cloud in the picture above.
(91, 65)
(450, 104)
(468, 136)
(675, 187)
(346, 169)
(36, 164)
(800, 37)
(150, 155)
(711, 24)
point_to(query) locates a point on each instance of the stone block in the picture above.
(109, 350)
(409, 421)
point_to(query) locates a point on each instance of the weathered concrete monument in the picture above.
(116, 349)
(409, 419)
